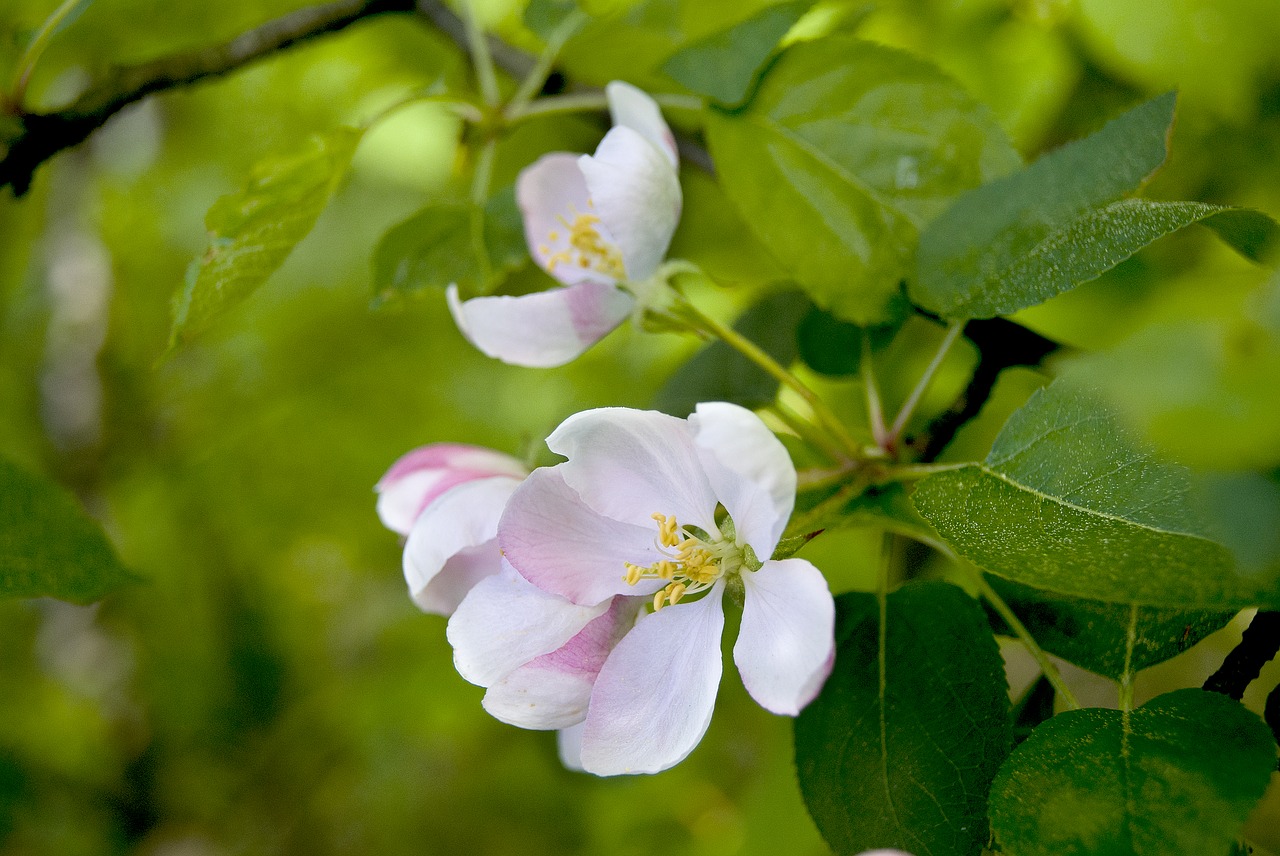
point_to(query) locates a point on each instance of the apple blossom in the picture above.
(593, 222)
(447, 499)
(607, 622)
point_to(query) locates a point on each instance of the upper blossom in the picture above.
(669, 510)
(592, 222)
(447, 498)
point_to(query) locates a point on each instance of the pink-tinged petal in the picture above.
(551, 193)
(569, 746)
(786, 645)
(504, 622)
(749, 470)
(541, 330)
(634, 109)
(552, 691)
(653, 699)
(453, 544)
(419, 476)
(631, 464)
(636, 193)
(561, 545)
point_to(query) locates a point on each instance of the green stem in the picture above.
(804, 430)
(1126, 677)
(875, 409)
(551, 105)
(850, 450)
(1020, 630)
(27, 63)
(480, 180)
(692, 103)
(808, 521)
(909, 406)
(911, 472)
(481, 59)
(537, 76)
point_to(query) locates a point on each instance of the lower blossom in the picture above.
(447, 498)
(606, 619)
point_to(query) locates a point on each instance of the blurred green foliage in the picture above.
(270, 688)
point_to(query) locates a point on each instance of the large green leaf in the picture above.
(1071, 502)
(724, 66)
(1178, 775)
(965, 252)
(1108, 638)
(901, 746)
(448, 243)
(252, 231)
(844, 153)
(48, 546)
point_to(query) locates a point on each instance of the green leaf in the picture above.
(969, 254)
(846, 150)
(720, 373)
(725, 66)
(833, 347)
(1107, 638)
(1001, 280)
(1070, 502)
(544, 17)
(48, 546)
(902, 744)
(444, 244)
(253, 230)
(1178, 775)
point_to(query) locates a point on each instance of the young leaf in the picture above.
(719, 373)
(441, 245)
(901, 746)
(1070, 502)
(48, 546)
(845, 151)
(1178, 775)
(1107, 638)
(725, 65)
(993, 251)
(253, 230)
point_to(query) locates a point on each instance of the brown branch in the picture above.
(43, 135)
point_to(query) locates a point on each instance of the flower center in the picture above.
(586, 248)
(693, 563)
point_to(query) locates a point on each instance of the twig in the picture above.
(46, 134)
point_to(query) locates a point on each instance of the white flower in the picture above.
(564, 639)
(447, 499)
(592, 222)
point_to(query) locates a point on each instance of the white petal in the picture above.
(506, 621)
(786, 644)
(561, 545)
(569, 746)
(551, 194)
(631, 464)
(541, 330)
(455, 527)
(634, 109)
(749, 469)
(653, 699)
(636, 193)
(419, 476)
(552, 691)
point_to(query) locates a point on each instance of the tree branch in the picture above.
(43, 135)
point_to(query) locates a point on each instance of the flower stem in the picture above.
(1020, 630)
(808, 521)
(577, 102)
(911, 472)
(849, 448)
(805, 432)
(481, 59)
(537, 76)
(909, 406)
(875, 410)
(35, 48)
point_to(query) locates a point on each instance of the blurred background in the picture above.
(270, 688)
